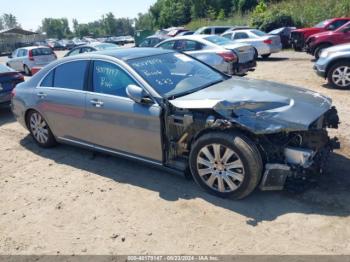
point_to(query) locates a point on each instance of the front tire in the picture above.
(40, 130)
(339, 75)
(226, 164)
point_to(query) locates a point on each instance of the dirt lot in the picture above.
(65, 201)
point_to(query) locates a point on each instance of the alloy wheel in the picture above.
(39, 128)
(220, 168)
(341, 76)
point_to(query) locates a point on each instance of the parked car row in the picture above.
(232, 50)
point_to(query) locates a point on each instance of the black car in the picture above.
(284, 33)
(91, 48)
(9, 78)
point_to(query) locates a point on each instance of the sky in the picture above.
(29, 13)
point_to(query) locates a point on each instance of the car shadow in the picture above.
(328, 86)
(272, 59)
(331, 197)
(6, 115)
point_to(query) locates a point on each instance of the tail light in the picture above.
(31, 58)
(268, 41)
(228, 56)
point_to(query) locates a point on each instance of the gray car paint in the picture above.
(135, 129)
(335, 53)
(260, 106)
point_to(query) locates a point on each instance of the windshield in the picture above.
(322, 24)
(174, 74)
(219, 40)
(106, 46)
(258, 32)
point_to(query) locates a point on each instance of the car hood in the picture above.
(339, 48)
(260, 106)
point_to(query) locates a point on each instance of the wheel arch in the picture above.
(336, 61)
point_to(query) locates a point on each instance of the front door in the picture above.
(115, 121)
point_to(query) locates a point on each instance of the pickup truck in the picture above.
(315, 44)
(298, 37)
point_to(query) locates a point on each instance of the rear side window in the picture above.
(48, 80)
(207, 31)
(71, 75)
(109, 79)
(241, 36)
(168, 45)
(42, 51)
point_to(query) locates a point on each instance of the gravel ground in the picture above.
(67, 201)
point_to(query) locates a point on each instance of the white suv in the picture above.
(25, 58)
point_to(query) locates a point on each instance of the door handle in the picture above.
(41, 95)
(96, 103)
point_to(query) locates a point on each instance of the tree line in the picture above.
(108, 25)
(166, 13)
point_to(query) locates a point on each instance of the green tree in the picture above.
(221, 15)
(55, 27)
(9, 21)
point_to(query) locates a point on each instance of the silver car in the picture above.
(263, 43)
(334, 64)
(168, 109)
(228, 57)
(24, 59)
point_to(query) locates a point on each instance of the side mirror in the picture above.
(137, 94)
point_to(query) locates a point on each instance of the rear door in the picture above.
(115, 121)
(61, 99)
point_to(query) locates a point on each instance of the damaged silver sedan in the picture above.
(165, 108)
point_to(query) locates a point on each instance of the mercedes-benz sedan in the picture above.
(173, 111)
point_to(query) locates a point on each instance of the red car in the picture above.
(316, 43)
(298, 37)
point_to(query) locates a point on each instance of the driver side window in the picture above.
(110, 79)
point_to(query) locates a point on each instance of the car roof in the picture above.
(33, 47)
(129, 53)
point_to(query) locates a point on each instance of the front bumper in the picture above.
(320, 67)
(305, 159)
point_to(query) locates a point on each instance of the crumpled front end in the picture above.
(288, 124)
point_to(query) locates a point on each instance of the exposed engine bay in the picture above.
(286, 154)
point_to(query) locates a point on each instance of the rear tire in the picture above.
(27, 71)
(40, 130)
(265, 56)
(226, 164)
(335, 78)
